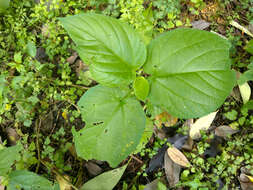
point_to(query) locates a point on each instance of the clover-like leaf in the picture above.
(112, 48)
(115, 122)
(190, 73)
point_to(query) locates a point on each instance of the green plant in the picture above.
(177, 62)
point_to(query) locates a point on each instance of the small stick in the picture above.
(240, 27)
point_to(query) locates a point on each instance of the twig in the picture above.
(240, 27)
(137, 159)
(37, 126)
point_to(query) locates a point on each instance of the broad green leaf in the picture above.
(189, 72)
(148, 132)
(105, 181)
(31, 49)
(4, 4)
(28, 181)
(115, 122)
(141, 88)
(8, 157)
(112, 48)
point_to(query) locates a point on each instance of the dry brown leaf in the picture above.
(188, 144)
(172, 171)
(202, 123)
(166, 119)
(178, 157)
(245, 182)
(64, 185)
(93, 168)
(200, 24)
(13, 136)
(225, 131)
(72, 58)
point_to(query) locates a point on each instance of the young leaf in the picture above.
(141, 88)
(190, 72)
(8, 155)
(105, 181)
(112, 48)
(115, 123)
(29, 181)
(245, 91)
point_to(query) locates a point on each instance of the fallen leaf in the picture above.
(157, 184)
(13, 137)
(245, 182)
(188, 144)
(236, 94)
(172, 170)
(160, 133)
(152, 185)
(245, 92)
(178, 157)
(214, 149)
(202, 123)
(107, 180)
(165, 119)
(225, 131)
(157, 161)
(200, 24)
(179, 142)
(188, 123)
(250, 178)
(64, 185)
(72, 58)
(93, 168)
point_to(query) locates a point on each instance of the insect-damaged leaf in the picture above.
(112, 48)
(190, 73)
(115, 123)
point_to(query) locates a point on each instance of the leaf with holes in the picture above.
(189, 72)
(115, 122)
(112, 48)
